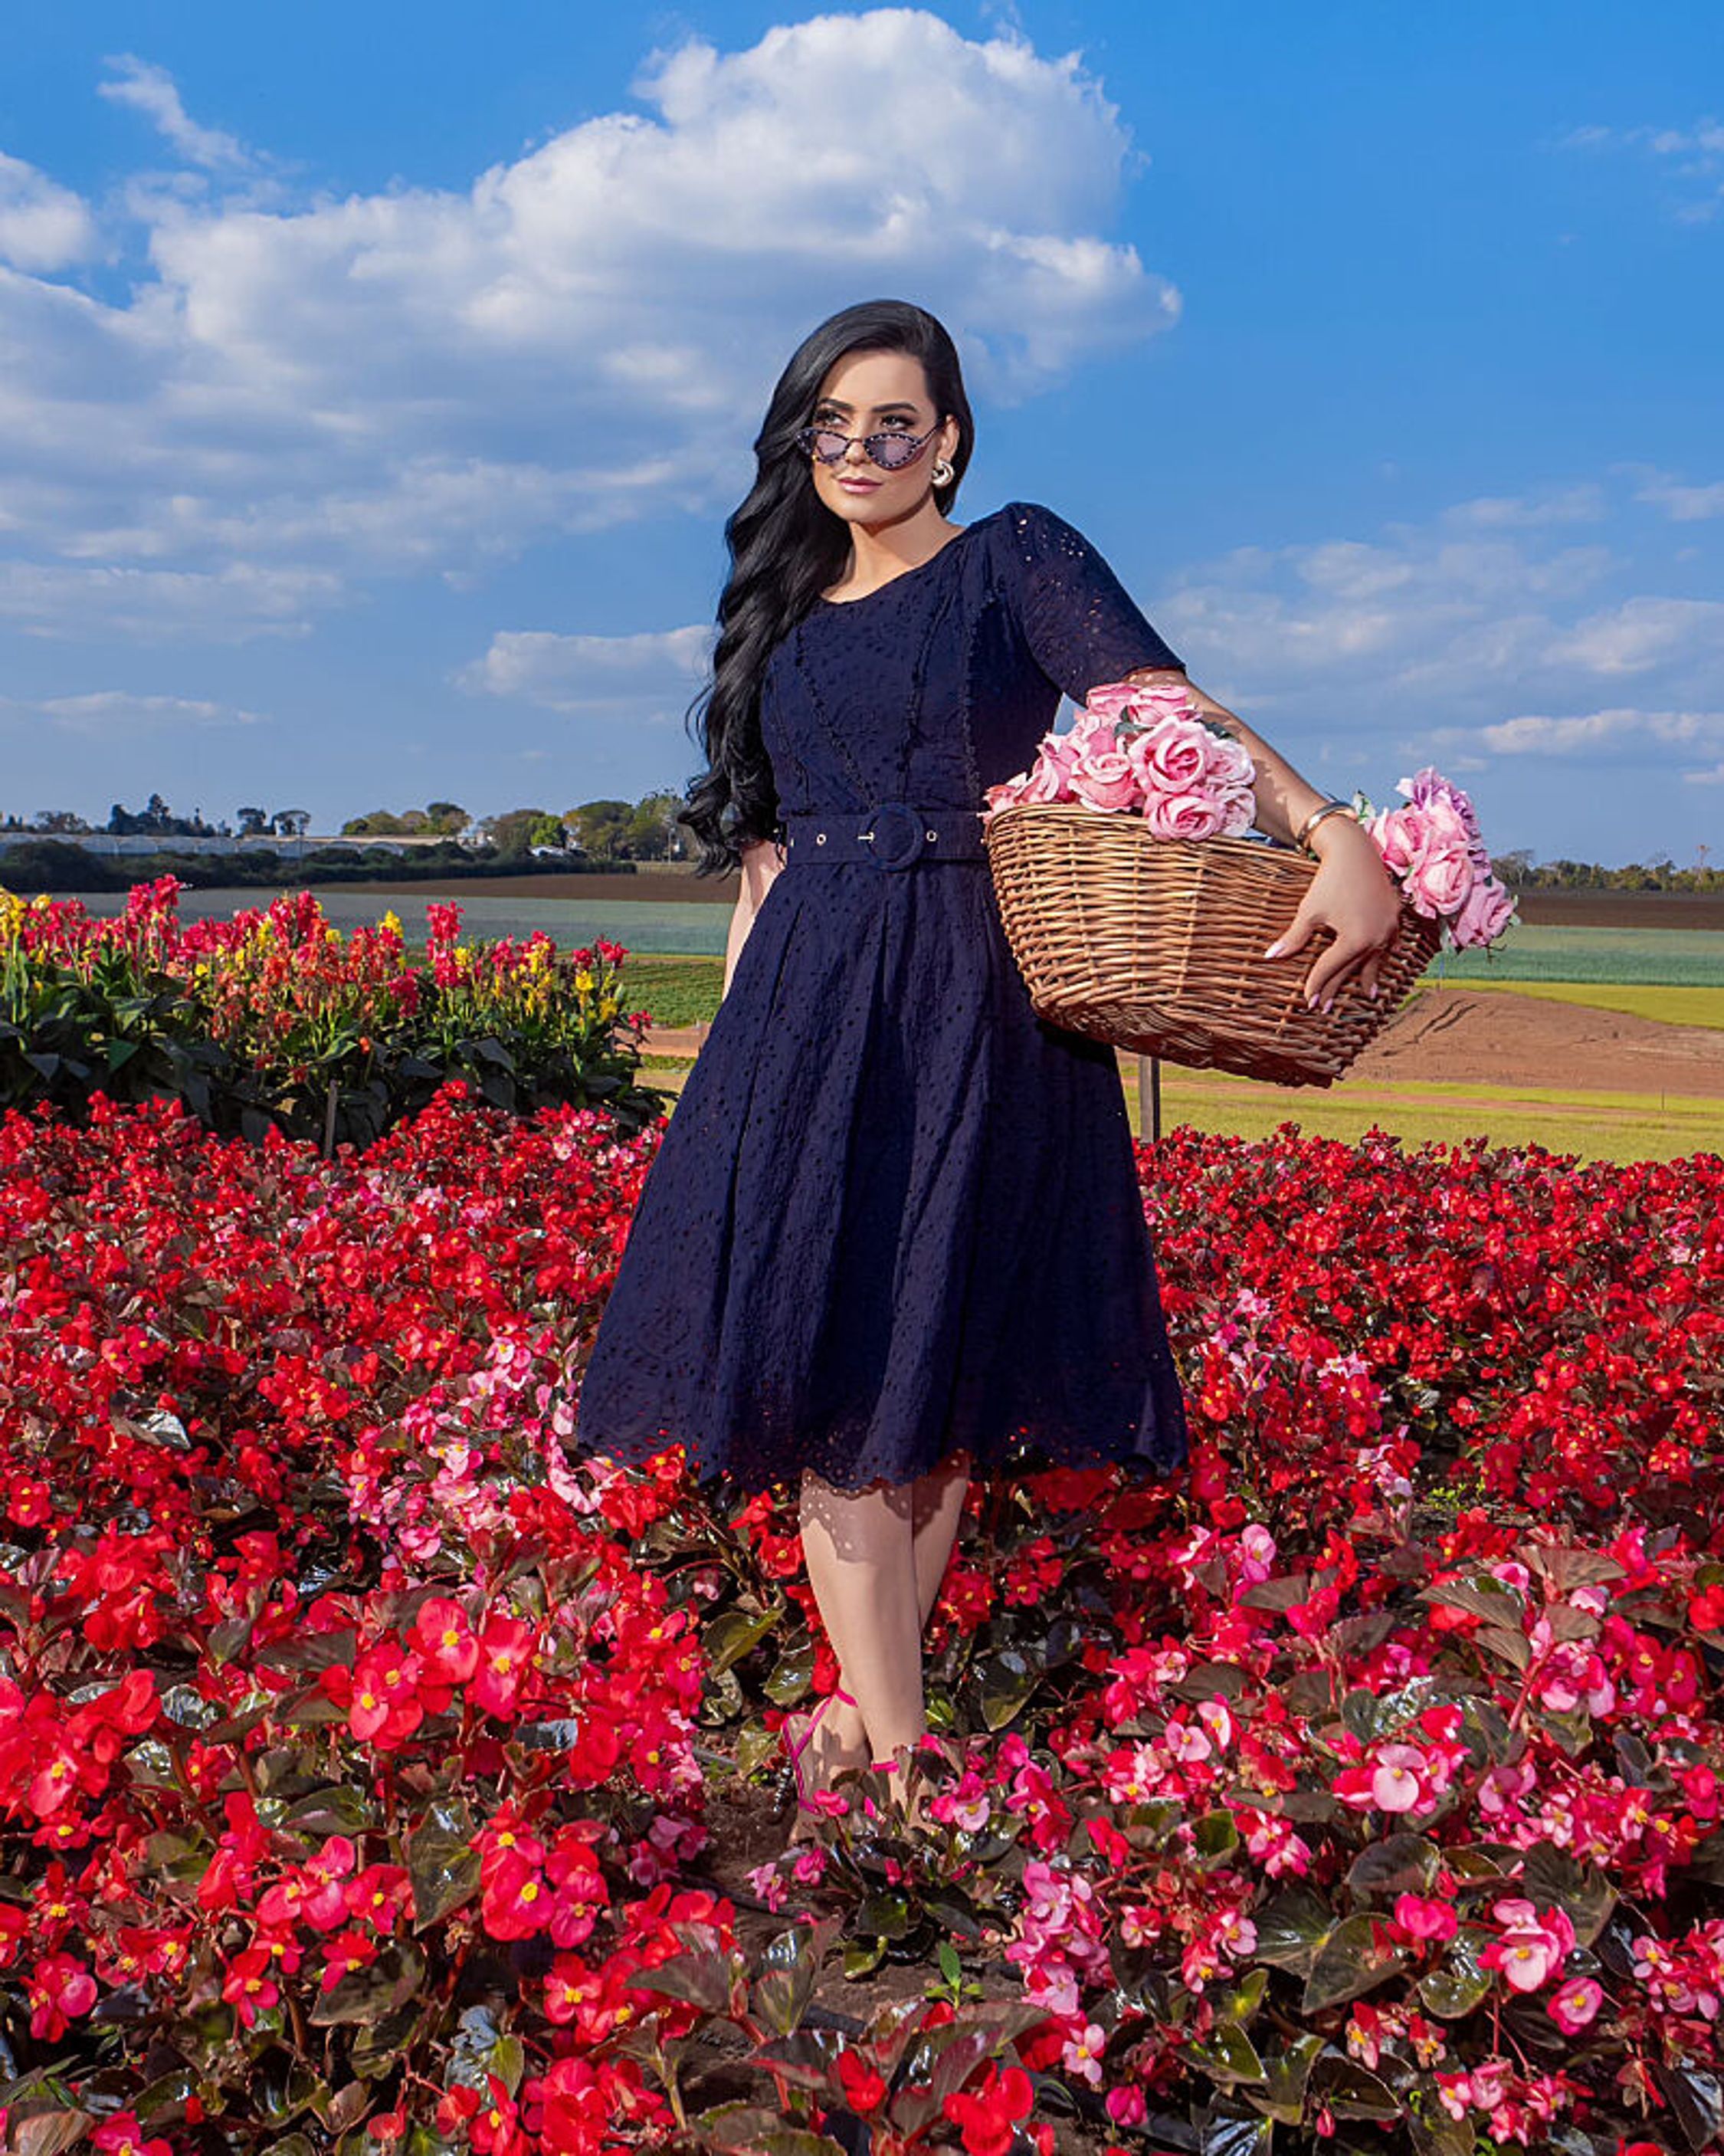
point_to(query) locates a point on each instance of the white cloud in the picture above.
(1695, 153)
(1532, 735)
(152, 92)
(1427, 635)
(228, 605)
(1643, 632)
(113, 715)
(597, 674)
(430, 380)
(1683, 504)
(43, 225)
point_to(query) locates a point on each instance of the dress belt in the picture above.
(893, 834)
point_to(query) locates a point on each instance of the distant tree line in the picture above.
(643, 830)
(615, 831)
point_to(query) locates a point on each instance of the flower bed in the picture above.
(360, 1763)
(274, 1018)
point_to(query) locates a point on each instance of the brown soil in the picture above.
(1497, 1038)
(1458, 1036)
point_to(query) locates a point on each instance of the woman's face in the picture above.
(879, 392)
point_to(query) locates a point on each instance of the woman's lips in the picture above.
(859, 486)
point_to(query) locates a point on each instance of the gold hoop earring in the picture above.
(943, 473)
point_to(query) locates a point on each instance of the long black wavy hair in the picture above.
(786, 547)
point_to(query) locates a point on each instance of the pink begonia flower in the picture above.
(1126, 2104)
(1575, 2005)
(1188, 1745)
(1398, 1782)
(1184, 815)
(1532, 1948)
(1082, 2054)
(1426, 1920)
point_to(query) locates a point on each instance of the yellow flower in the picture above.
(583, 980)
(392, 922)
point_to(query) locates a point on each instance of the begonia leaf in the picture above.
(1008, 1680)
(337, 1809)
(1399, 1864)
(804, 2058)
(1452, 1990)
(699, 1979)
(369, 1994)
(1215, 1838)
(736, 2125)
(1355, 1958)
(1227, 2055)
(1291, 1931)
(1210, 1681)
(790, 1676)
(884, 1915)
(1696, 2096)
(1580, 1891)
(1282, 2096)
(799, 2141)
(47, 2133)
(1350, 2090)
(310, 1651)
(728, 1638)
(1224, 2133)
(441, 1863)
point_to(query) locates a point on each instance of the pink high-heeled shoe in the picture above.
(797, 1750)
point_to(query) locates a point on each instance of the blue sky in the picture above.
(374, 381)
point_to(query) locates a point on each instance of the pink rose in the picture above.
(1485, 912)
(1105, 779)
(1050, 781)
(1230, 762)
(1170, 756)
(1439, 879)
(1239, 811)
(1182, 815)
(1165, 700)
(1112, 699)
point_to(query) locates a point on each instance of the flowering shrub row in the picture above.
(1362, 1787)
(274, 1018)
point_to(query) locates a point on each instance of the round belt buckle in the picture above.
(898, 834)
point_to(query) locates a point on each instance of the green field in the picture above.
(683, 991)
(1650, 957)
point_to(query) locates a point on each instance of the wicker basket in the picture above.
(1156, 945)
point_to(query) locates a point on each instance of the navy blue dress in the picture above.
(894, 1213)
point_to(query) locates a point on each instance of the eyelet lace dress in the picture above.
(894, 1214)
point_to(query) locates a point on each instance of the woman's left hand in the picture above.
(1353, 894)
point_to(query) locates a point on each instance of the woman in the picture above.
(894, 1226)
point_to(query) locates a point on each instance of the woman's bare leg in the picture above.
(876, 1560)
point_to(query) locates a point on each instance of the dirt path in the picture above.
(1455, 1036)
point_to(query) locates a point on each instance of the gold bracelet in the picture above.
(1301, 836)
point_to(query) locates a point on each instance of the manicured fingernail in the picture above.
(1273, 951)
(1373, 988)
(1328, 1003)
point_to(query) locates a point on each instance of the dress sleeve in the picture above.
(1079, 620)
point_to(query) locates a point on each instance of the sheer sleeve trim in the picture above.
(1080, 624)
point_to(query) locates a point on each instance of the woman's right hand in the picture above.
(761, 860)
